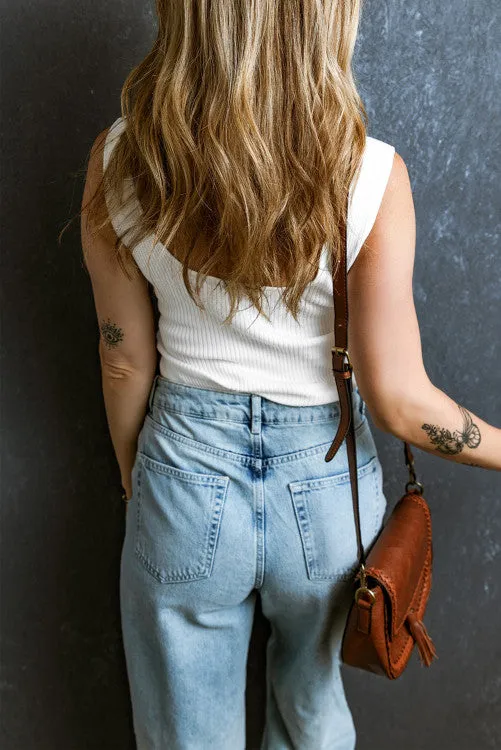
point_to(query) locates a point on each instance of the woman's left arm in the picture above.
(127, 331)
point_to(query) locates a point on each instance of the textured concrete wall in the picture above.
(430, 75)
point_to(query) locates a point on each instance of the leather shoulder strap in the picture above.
(342, 371)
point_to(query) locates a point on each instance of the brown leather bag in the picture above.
(393, 583)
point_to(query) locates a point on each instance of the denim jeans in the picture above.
(232, 498)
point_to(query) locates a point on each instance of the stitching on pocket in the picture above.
(189, 476)
(333, 479)
(381, 500)
(190, 538)
(327, 530)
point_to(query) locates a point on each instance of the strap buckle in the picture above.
(363, 588)
(412, 485)
(344, 352)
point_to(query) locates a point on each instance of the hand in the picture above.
(126, 497)
(127, 486)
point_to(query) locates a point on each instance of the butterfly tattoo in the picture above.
(450, 442)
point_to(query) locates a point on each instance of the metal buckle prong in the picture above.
(344, 352)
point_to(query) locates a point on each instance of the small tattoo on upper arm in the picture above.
(111, 334)
(450, 442)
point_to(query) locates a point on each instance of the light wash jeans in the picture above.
(232, 497)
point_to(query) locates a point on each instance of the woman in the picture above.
(241, 136)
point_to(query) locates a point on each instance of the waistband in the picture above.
(238, 406)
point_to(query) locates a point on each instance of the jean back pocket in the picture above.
(178, 520)
(326, 520)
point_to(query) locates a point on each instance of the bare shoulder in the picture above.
(398, 189)
(399, 180)
(94, 208)
(391, 242)
(95, 162)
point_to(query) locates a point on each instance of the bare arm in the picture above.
(385, 345)
(127, 334)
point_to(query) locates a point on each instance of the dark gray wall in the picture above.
(430, 74)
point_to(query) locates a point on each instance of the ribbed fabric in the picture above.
(281, 360)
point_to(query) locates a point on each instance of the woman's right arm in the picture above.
(384, 343)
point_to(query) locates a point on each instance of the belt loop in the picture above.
(255, 410)
(152, 392)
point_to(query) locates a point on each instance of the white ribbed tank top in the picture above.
(281, 360)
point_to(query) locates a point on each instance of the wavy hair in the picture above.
(243, 133)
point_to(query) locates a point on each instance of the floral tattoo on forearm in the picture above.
(111, 334)
(454, 442)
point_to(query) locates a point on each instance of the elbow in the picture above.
(391, 424)
(117, 372)
(117, 369)
(384, 419)
(396, 413)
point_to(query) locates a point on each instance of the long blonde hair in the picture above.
(243, 129)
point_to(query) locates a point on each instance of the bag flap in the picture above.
(399, 554)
